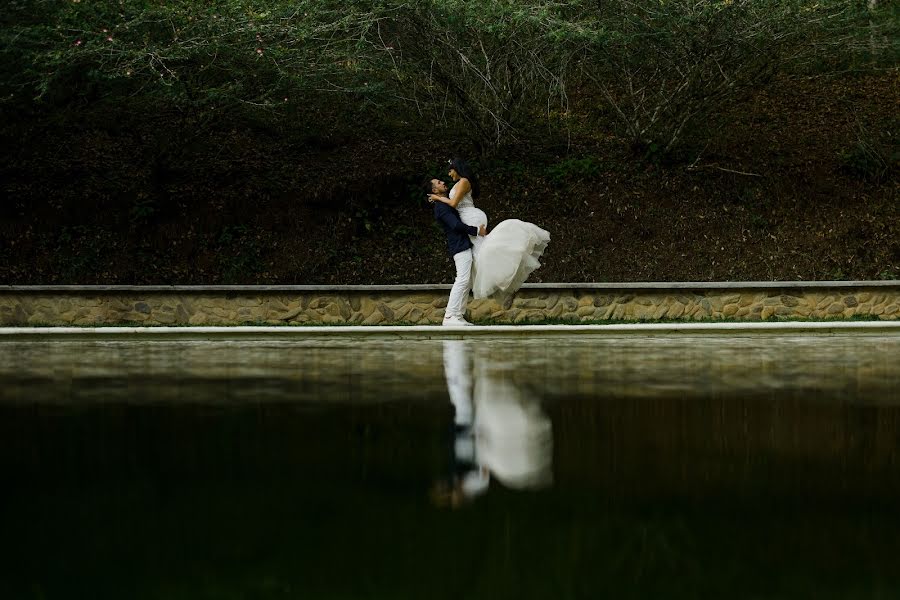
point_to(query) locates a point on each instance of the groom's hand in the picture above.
(482, 230)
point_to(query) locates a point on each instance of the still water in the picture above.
(560, 467)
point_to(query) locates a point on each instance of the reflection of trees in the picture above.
(787, 445)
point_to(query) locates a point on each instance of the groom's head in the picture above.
(434, 186)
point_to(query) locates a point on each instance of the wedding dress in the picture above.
(505, 257)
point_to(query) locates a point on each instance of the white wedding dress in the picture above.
(505, 257)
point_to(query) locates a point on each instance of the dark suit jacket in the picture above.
(457, 232)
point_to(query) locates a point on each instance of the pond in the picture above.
(557, 467)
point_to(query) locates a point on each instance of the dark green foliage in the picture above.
(155, 126)
(874, 155)
(574, 169)
(491, 68)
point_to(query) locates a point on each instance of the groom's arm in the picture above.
(452, 220)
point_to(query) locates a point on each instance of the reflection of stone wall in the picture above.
(374, 305)
(785, 443)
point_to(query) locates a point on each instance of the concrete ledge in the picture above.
(871, 328)
(423, 287)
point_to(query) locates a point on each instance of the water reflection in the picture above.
(680, 468)
(500, 430)
(862, 370)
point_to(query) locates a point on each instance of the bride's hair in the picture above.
(464, 170)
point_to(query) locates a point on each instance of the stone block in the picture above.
(181, 315)
(864, 309)
(586, 311)
(386, 311)
(344, 309)
(245, 314)
(401, 312)
(276, 305)
(481, 310)
(835, 309)
(374, 319)
(529, 315)
(641, 312)
(850, 301)
(787, 300)
(570, 304)
(134, 317)
(603, 300)
(425, 298)
(532, 303)
(729, 309)
(675, 311)
(825, 302)
(284, 316)
(163, 318)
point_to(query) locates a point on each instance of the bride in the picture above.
(505, 257)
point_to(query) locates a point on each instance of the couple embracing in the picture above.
(491, 265)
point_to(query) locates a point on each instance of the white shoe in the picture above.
(455, 322)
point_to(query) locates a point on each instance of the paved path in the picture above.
(879, 328)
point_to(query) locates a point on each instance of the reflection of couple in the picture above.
(489, 265)
(500, 431)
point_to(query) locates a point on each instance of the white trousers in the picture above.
(459, 293)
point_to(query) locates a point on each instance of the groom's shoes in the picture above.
(455, 322)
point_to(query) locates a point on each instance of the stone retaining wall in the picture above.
(374, 305)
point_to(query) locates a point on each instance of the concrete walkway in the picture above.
(872, 328)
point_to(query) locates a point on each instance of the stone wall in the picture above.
(375, 305)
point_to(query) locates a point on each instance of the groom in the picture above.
(460, 248)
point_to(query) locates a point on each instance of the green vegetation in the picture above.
(148, 129)
(657, 68)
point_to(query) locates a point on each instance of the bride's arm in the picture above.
(458, 192)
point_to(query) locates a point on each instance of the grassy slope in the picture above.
(768, 198)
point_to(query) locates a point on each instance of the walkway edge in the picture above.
(434, 331)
